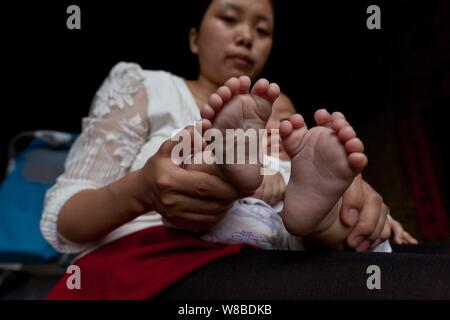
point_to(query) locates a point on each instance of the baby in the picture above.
(317, 165)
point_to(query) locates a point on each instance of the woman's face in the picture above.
(235, 38)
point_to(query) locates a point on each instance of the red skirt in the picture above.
(141, 265)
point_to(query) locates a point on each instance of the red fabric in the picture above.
(432, 216)
(141, 265)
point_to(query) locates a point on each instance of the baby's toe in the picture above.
(297, 121)
(323, 118)
(205, 125)
(273, 93)
(260, 88)
(338, 124)
(286, 128)
(346, 133)
(207, 112)
(354, 145)
(215, 101)
(234, 85)
(357, 161)
(292, 132)
(244, 84)
(338, 115)
(225, 93)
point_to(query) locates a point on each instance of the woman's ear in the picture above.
(193, 40)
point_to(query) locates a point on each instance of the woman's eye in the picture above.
(229, 19)
(263, 31)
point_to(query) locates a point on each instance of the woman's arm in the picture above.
(90, 215)
(112, 135)
(190, 200)
(97, 192)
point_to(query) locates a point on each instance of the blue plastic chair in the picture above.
(30, 174)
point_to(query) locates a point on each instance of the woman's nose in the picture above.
(245, 37)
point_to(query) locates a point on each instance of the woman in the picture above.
(120, 181)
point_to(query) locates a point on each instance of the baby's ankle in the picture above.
(331, 232)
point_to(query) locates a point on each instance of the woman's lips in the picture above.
(241, 60)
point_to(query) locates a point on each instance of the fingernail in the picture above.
(353, 216)
(363, 246)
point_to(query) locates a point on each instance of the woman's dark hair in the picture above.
(200, 8)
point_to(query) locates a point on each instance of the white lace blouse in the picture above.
(132, 114)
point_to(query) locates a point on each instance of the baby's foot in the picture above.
(233, 106)
(325, 160)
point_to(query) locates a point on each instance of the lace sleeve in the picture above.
(112, 136)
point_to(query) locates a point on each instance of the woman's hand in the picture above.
(272, 189)
(190, 200)
(363, 208)
(399, 235)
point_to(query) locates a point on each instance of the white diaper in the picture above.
(254, 222)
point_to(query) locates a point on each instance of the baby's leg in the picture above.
(324, 163)
(233, 106)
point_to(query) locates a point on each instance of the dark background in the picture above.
(388, 82)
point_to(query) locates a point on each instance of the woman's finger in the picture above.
(368, 219)
(397, 231)
(386, 233)
(263, 191)
(381, 223)
(167, 146)
(267, 191)
(275, 190)
(171, 177)
(375, 237)
(202, 185)
(175, 203)
(258, 193)
(352, 202)
(400, 235)
(410, 239)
